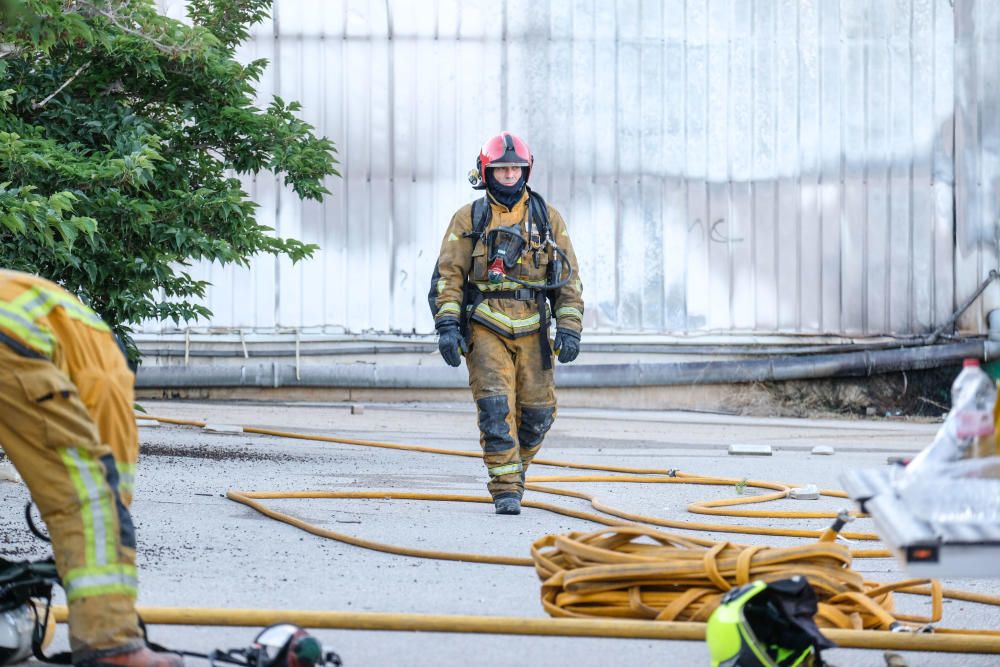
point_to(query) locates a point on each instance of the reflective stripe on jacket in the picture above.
(28, 304)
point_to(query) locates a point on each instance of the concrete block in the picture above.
(822, 450)
(223, 428)
(357, 409)
(807, 492)
(750, 450)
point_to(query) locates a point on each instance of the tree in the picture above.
(120, 132)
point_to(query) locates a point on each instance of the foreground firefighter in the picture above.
(503, 260)
(66, 423)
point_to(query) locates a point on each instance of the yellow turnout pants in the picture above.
(107, 388)
(52, 440)
(516, 403)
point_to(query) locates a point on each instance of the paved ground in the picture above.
(198, 549)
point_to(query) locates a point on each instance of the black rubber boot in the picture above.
(507, 505)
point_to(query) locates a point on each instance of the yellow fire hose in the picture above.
(513, 625)
(649, 475)
(609, 573)
(603, 577)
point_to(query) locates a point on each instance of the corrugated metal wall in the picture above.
(977, 151)
(766, 166)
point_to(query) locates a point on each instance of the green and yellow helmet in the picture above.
(766, 625)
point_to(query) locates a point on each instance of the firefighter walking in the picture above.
(505, 269)
(66, 423)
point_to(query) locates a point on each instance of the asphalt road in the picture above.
(199, 549)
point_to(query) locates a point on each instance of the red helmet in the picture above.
(507, 150)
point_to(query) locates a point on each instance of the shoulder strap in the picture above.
(539, 212)
(480, 215)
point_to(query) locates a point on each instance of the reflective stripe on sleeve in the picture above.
(449, 308)
(569, 311)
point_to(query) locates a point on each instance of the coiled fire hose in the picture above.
(609, 573)
(591, 577)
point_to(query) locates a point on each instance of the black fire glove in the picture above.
(450, 343)
(567, 345)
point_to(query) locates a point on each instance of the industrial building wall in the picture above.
(764, 166)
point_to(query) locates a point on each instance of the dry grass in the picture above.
(913, 394)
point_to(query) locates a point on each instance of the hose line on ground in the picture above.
(648, 475)
(549, 627)
(670, 578)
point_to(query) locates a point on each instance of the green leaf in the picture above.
(68, 231)
(14, 222)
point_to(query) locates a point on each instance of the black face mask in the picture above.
(508, 195)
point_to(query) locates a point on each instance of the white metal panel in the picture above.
(777, 166)
(977, 150)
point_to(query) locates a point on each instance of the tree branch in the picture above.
(39, 105)
(115, 20)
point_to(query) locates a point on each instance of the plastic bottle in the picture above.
(955, 478)
(973, 395)
(986, 445)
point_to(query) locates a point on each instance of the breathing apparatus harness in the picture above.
(279, 645)
(24, 587)
(505, 248)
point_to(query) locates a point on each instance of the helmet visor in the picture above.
(505, 162)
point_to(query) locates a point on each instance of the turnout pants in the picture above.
(52, 440)
(107, 388)
(516, 403)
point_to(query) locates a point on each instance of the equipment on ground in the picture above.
(24, 630)
(940, 510)
(16, 628)
(927, 548)
(27, 621)
(279, 645)
(767, 625)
